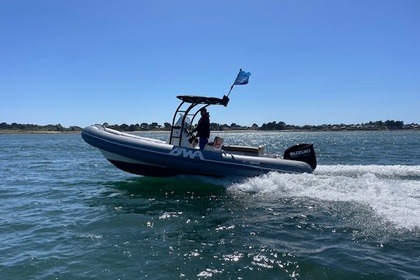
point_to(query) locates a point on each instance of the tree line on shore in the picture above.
(154, 126)
(35, 127)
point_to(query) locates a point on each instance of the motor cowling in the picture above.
(302, 152)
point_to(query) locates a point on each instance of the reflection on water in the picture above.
(191, 227)
(142, 194)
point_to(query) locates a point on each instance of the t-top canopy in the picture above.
(204, 100)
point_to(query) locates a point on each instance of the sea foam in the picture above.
(392, 192)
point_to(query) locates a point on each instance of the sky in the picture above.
(311, 61)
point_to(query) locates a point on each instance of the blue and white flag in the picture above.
(242, 78)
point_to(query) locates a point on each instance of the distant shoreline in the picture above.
(389, 125)
(40, 132)
(37, 132)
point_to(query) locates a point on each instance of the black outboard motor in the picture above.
(302, 152)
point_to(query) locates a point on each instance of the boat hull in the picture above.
(150, 157)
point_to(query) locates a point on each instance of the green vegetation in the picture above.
(154, 126)
(37, 128)
(378, 125)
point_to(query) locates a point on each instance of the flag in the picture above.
(242, 78)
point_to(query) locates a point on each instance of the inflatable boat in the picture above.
(180, 154)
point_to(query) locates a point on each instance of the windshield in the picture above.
(186, 123)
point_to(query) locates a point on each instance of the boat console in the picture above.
(181, 127)
(180, 132)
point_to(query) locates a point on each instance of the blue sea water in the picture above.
(66, 213)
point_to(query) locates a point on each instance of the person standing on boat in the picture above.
(203, 128)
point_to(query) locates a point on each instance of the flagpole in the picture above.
(230, 90)
(233, 83)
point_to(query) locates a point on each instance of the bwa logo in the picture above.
(186, 153)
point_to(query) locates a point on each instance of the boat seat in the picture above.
(244, 150)
(218, 143)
